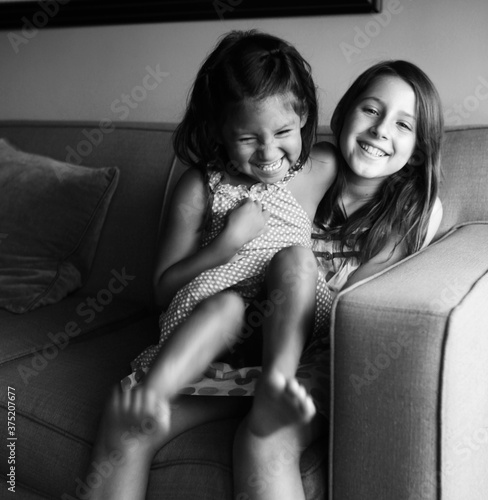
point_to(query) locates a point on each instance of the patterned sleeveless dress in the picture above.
(336, 264)
(289, 225)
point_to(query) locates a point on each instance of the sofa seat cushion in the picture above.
(57, 411)
(36, 337)
(51, 215)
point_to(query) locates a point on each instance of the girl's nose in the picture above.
(266, 149)
(380, 129)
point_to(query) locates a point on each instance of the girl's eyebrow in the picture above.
(379, 101)
(243, 131)
(286, 125)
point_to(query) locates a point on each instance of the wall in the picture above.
(87, 73)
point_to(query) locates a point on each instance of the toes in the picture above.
(299, 398)
(125, 384)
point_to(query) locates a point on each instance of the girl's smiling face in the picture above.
(379, 133)
(263, 138)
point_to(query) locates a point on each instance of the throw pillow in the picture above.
(51, 216)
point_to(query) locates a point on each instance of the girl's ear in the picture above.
(417, 158)
(303, 119)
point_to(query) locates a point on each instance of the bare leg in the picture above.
(283, 417)
(129, 437)
(268, 467)
(138, 422)
(279, 399)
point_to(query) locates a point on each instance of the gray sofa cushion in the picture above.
(36, 337)
(51, 215)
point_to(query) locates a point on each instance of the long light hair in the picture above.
(406, 198)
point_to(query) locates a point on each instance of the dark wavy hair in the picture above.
(243, 65)
(406, 198)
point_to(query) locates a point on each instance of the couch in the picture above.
(409, 371)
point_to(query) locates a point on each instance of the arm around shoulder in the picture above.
(324, 156)
(324, 164)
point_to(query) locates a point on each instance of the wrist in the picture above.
(224, 246)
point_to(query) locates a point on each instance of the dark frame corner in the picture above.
(65, 13)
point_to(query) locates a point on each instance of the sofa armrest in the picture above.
(409, 377)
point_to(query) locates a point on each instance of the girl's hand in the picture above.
(246, 222)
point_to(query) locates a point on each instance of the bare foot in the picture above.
(134, 426)
(135, 419)
(279, 402)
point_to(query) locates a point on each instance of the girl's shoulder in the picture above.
(324, 162)
(324, 151)
(191, 176)
(190, 184)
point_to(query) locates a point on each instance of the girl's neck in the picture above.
(357, 192)
(359, 187)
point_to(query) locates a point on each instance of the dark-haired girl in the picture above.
(239, 233)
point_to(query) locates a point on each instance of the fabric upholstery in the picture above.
(47, 330)
(144, 157)
(464, 415)
(51, 214)
(464, 184)
(390, 336)
(59, 408)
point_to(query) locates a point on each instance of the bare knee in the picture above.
(295, 265)
(225, 306)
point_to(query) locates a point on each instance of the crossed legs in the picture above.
(280, 424)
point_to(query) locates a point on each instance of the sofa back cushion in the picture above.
(144, 157)
(464, 183)
(51, 213)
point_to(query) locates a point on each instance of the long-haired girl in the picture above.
(383, 204)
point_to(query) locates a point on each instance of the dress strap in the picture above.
(214, 179)
(216, 176)
(292, 172)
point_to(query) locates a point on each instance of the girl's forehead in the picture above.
(389, 86)
(279, 103)
(273, 111)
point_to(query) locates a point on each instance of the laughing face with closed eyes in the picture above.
(379, 133)
(263, 138)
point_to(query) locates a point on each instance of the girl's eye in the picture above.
(245, 140)
(371, 111)
(404, 125)
(284, 132)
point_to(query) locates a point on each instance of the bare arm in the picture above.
(392, 254)
(180, 257)
(434, 222)
(318, 174)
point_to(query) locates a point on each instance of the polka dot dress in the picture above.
(289, 225)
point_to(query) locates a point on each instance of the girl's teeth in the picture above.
(372, 150)
(270, 167)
